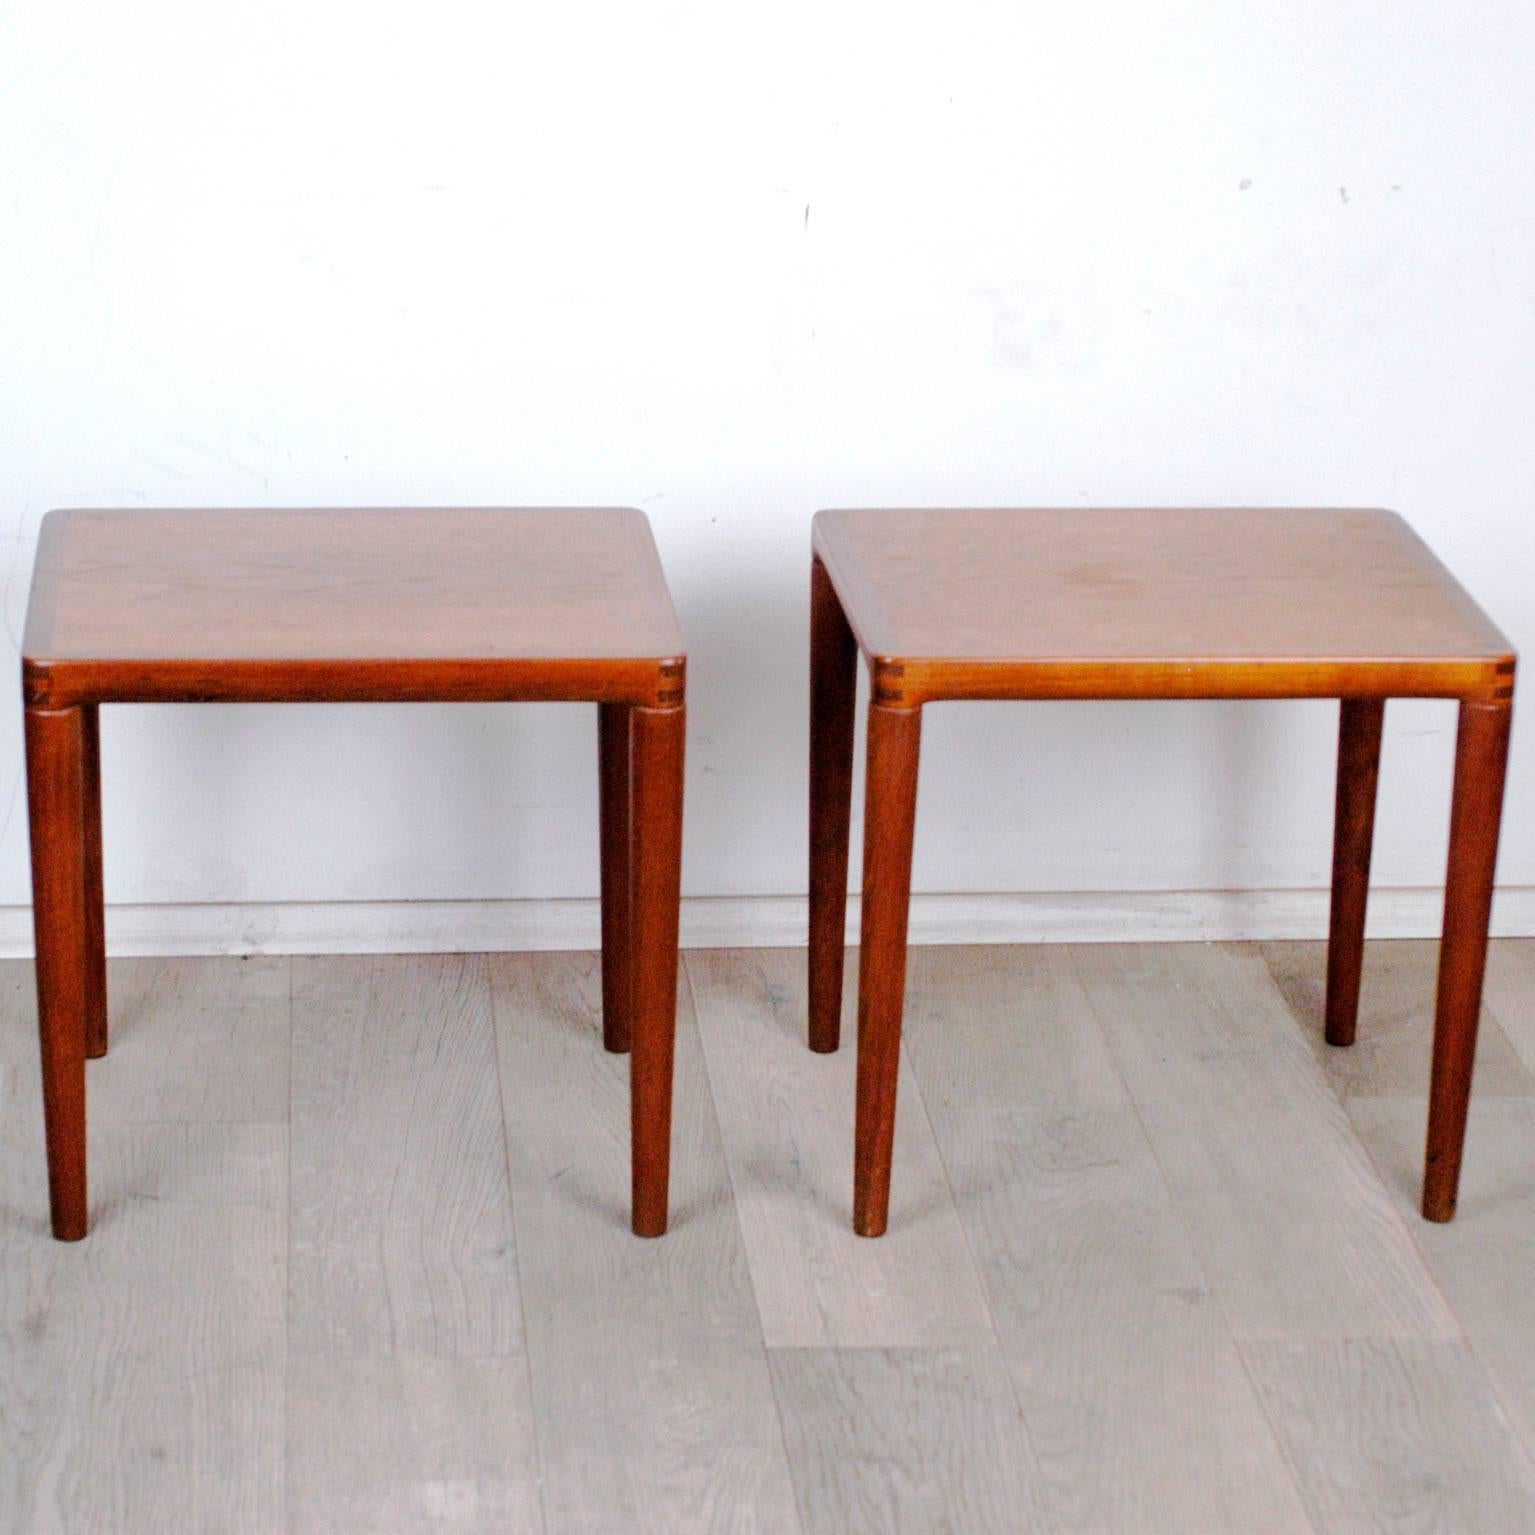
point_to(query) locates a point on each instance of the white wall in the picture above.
(731, 263)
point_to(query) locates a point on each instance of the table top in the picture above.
(1156, 602)
(352, 603)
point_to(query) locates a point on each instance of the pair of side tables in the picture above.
(484, 605)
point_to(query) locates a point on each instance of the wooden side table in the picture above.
(469, 605)
(1141, 604)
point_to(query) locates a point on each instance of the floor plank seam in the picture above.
(1406, 1224)
(948, 1178)
(1468, 1337)
(1021, 1417)
(999, 1351)
(517, 1253)
(1505, 1411)
(1188, 1236)
(801, 1513)
(1285, 1459)
(729, 1170)
(286, 1460)
(735, 1193)
(172, 1124)
(1515, 1037)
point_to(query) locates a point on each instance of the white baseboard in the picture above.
(428, 927)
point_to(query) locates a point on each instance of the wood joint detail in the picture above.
(36, 685)
(888, 680)
(670, 682)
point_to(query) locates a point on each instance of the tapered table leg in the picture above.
(613, 788)
(56, 803)
(1359, 731)
(833, 690)
(659, 737)
(1481, 761)
(95, 906)
(890, 808)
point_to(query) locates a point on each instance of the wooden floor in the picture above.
(360, 1261)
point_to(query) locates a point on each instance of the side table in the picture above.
(1142, 603)
(284, 606)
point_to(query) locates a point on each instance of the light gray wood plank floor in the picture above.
(360, 1258)
(784, 1117)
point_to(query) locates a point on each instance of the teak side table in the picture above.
(1143, 603)
(466, 605)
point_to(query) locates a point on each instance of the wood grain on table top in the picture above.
(1299, 594)
(343, 588)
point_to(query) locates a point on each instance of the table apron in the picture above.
(905, 683)
(645, 682)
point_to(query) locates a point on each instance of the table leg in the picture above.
(833, 690)
(613, 788)
(95, 905)
(1481, 760)
(1359, 731)
(56, 803)
(659, 739)
(890, 808)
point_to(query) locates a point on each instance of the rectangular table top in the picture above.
(349, 602)
(1155, 602)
